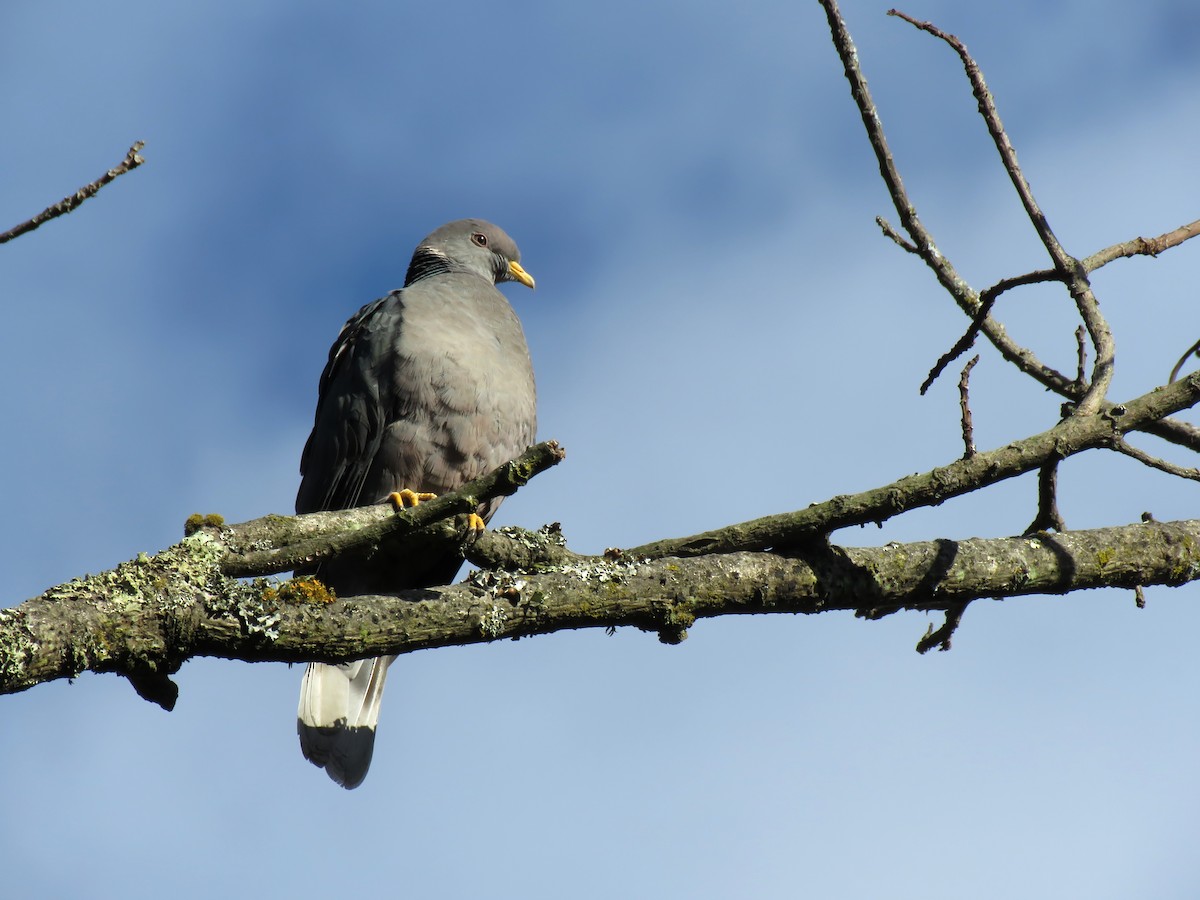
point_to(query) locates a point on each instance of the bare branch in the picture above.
(886, 227)
(147, 616)
(964, 403)
(1154, 462)
(1081, 357)
(941, 637)
(1073, 272)
(922, 239)
(131, 161)
(1048, 516)
(1008, 154)
(1176, 432)
(279, 543)
(1070, 436)
(986, 301)
(1140, 246)
(1183, 360)
(964, 295)
(961, 346)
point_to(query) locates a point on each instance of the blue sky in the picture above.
(719, 333)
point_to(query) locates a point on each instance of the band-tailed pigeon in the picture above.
(425, 389)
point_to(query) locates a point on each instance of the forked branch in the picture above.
(1067, 267)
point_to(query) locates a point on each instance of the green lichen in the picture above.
(257, 616)
(17, 647)
(171, 574)
(498, 584)
(492, 622)
(255, 607)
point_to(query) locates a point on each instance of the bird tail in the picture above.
(339, 708)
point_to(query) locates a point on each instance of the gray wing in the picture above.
(348, 426)
(370, 390)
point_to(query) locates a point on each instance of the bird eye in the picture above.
(480, 239)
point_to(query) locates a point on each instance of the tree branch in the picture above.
(1068, 437)
(1188, 472)
(986, 301)
(964, 405)
(923, 244)
(941, 637)
(1072, 271)
(273, 544)
(1140, 246)
(1067, 269)
(131, 161)
(1048, 517)
(151, 614)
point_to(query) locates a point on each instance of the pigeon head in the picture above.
(469, 245)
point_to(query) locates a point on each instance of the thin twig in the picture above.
(922, 239)
(961, 346)
(1183, 359)
(1140, 246)
(941, 637)
(62, 207)
(1081, 357)
(991, 116)
(964, 403)
(1185, 434)
(886, 227)
(1039, 276)
(986, 301)
(1154, 462)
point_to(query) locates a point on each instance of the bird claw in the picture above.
(475, 525)
(407, 499)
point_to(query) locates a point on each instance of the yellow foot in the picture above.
(407, 499)
(475, 525)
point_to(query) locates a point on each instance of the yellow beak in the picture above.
(516, 273)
